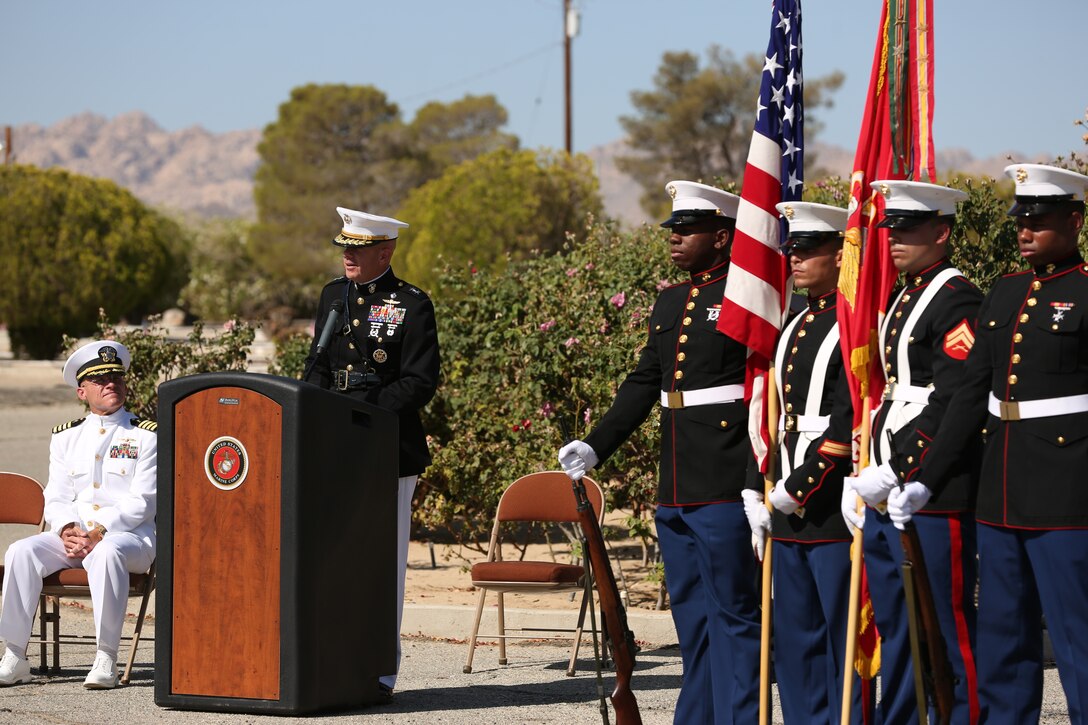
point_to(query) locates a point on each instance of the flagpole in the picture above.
(765, 623)
(854, 604)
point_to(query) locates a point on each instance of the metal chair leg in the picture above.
(580, 627)
(502, 631)
(475, 631)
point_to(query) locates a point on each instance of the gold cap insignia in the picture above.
(885, 190)
(1021, 175)
(107, 354)
(672, 190)
(347, 220)
(788, 212)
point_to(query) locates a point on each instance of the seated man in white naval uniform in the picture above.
(99, 513)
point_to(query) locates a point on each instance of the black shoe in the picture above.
(385, 694)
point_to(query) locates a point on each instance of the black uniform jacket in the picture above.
(936, 348)
(1032, 345)
(825, 456)
(704, 448)
(388, 330)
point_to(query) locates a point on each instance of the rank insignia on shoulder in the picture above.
(959, 341)
(145, 424)
(416, 291)
(69, 424)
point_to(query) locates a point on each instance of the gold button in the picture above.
(1036, 285)
(921, 444)
(810, 317)
(657, 327)
(1015, 358)
(992, 323)
(891, 379)
(683, 338)
(906, 298)
(687, 320)
(351, 345)
(1053, 327)
(1017, 337)
(898, 314)
(691, 305)
(788, 387)
(1024, 317)
(789, 368)
(823, 304)
(984, 431)
(910, 459)
(355, 322)
(894, 332)
(789, 407)
(90, 524)
(723, 424)
(1061, 439)
(801, 333)
(95, 506)
(97, 457)
(1050, 268)
(96, 484)
(350, 368)
(910, 339)
(888, 368)
(681, 357)
(359, 301)
(888, 350)
(101, 431)
(1032, 301)
(902, 474)
(678, 374)
(793, 349)
(822, 465)
(810, 480)
(1012, 380)
(917, 281)
(694, 291)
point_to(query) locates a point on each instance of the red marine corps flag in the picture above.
(755, 291)
(896, 142)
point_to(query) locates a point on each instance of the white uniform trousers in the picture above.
(406, 489)
(108, 565)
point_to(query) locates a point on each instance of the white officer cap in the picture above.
(811, 224)
(909, 203)
(362, 229)
(693, 202)
(1041, 189)
(96, 358)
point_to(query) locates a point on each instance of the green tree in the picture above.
(72, 245)
(500, 206)
(696, 123)
(341, 145)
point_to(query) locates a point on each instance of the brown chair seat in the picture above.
(544, 572)
(78, 578)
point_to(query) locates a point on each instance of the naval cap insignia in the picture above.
(107, 354)
(788, 212)
(347, 220)
(885, 190)
(1021, 175)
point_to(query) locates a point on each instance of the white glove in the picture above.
(576, 458)
(902, 505)
(854, 521)
(874, 483)
(782, 500)
(759, 520)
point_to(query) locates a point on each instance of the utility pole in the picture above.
(570, 29)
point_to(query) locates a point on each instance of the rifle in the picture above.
(613, 614)
(932, 670)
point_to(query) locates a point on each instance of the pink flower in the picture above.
(662, 284)
(571, 341)
(619, 300)
(590, 266)
(572, 271)
(586, 417)
(526, 423)
(229, 325)
(546, 410)
(604, 329)
(545, 326)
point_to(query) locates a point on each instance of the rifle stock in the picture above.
(612, 611)
(936, 670)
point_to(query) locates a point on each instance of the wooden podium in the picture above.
(277, 548)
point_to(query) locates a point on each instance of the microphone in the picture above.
(335, 310)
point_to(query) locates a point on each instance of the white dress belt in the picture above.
(803, 423)
(1023, 409)
(907, 393)
(704, 396)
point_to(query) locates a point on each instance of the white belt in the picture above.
(907, 393)
(705, 396)
(1022, 409)
(803, 423)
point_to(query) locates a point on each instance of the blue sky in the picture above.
(1009, 73)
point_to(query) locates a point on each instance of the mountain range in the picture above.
(211, 174)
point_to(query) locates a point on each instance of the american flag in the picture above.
(755, 290)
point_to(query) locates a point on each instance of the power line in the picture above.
(483, 74)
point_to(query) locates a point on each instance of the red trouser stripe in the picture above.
(955, 539)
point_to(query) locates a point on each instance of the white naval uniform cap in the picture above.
(96, 358)
(811, 224)
(1041, 189)
(909, 203)
(362, 229)
(692, 202)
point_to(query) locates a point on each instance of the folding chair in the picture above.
(21, 502)
(544, 497)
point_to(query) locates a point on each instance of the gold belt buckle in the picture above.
(676, 399)
(1010, 410)
(341, 379)
(791, 422)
